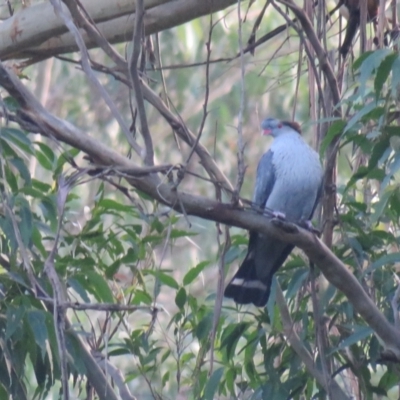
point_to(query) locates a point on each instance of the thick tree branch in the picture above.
(22, 37)
(333, 269)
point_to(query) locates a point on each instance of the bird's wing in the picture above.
(265, 179)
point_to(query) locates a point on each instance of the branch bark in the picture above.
(33, 114)
(22, 37)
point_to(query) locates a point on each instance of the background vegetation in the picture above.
(113, 261)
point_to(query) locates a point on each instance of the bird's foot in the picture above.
(307, 224)
(279, 215)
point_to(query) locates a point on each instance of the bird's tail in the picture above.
(245, 287)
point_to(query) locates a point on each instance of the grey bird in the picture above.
(288, 183)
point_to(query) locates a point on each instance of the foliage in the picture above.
(119, 246)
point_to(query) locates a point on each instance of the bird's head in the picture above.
(276, 127)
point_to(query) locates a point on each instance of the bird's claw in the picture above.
(279, 215)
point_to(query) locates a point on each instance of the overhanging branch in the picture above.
(22, 37)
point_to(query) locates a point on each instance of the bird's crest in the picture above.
(294, 125)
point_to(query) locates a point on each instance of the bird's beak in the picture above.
(266, 132)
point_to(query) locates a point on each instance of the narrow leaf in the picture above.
(212, 384)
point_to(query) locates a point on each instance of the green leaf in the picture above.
(203, 329)
(193, 273)
(26, 224)
(48, 209)
(231, 336)
(109, 204)
(379, 207)
(165, 279)
(74, 284)
(37, 240)
(165, 379)
(384, 260)
(388, 380)
(378, 151)
(11, 180)
(369, 65)
(176, 233)
(97, 285)
(141, 297)
(37, 322)
(45, 156)
(180, 298)
(232, 254)
(360, 114)
(22, 169)
(357, 63)
(297, 279)
(393, 169)
(14, 318)
(395, 77)
(64, 158)
(212, 384)
(18, 138)
(11, 103)
(334, 130)
(383, 72)
(360, 333)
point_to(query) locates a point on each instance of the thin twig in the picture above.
(319, 334)
(206, 94)
(59, 291)
(309, 54)
(137, 87)
(240, 143)
(395, 304)
(219, 291)
(256, 25)
(103, 306)
(84, 21)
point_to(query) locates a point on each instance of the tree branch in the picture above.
(52, 38)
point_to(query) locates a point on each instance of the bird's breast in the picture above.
(298, 176)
